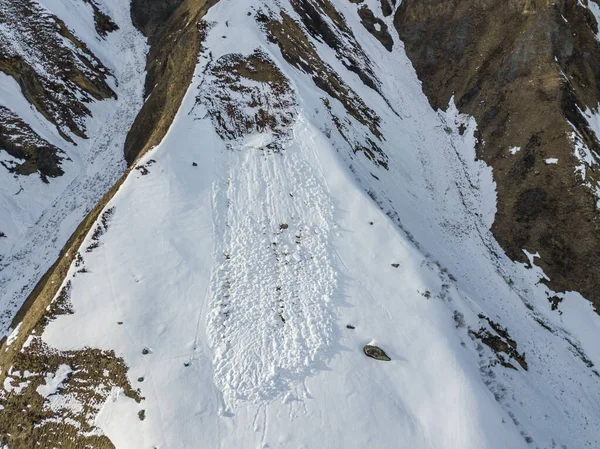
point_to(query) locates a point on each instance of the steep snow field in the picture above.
(38, 218)
(235, 280)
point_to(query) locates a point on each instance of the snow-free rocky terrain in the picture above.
(293, 194)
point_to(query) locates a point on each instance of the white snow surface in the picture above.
(245, 319)
(38, 218)
(595, 9)
(13, 336)
(54, 381)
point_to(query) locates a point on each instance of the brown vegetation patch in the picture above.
(28, 416)
(247, 94)
(89, 377)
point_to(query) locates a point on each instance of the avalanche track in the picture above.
(270, 321)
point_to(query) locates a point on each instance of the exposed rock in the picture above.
(500, 342)
(373, 152)
(526, 83)
(35, 154)
(57, 73)
(339, 37)
(248, 94)
(387, 7)
(175, 31)
(150, 16)
(376, 353)
(376, 27)
(300, 53)
(104, 23)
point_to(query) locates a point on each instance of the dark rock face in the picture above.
(525, 69)
(148, 15)
(104, 23)
(499, 341)
(387, 7)
(376, 27)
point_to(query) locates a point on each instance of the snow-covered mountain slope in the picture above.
(71, 83)
(306, 202)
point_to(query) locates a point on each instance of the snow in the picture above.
(270, 313)
(288, 408)
(10, 388)
(13, 336)
(55, 401)
(54, 381)
(28, 341)
(587, 157)
(551, 161)
(189, 267)
(514, 150)
(531, 257)
(593, 119)
(38, 218)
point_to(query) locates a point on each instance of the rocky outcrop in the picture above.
(376, 27)
(375, 352)
(175, 32)
(527, 70)
(31, 153)
(247, 94)
(56, 71)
